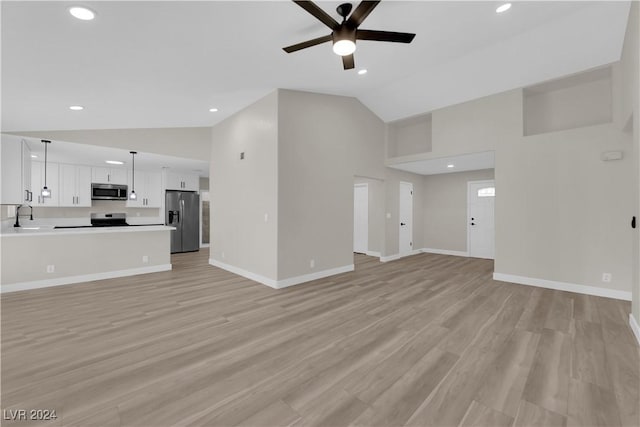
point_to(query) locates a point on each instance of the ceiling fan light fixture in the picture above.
(344, 47)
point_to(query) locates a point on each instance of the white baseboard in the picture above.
(59, 281)
(272, 283)
(445, 252)
(314, 276)
(373, 253)
(634, 327)
(279, 284)
(398, 256)
(390, 258)
(563, 286)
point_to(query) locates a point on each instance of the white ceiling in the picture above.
(465, 162)
(164, 64)
(93, 155)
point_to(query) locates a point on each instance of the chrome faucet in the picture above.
(17, 224)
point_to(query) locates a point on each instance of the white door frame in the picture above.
(491, 182)
(410, 252)
(202, 197)
(366, 186)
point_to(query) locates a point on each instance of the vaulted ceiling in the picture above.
(165, 64)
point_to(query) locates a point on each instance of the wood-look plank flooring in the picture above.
(428, 340)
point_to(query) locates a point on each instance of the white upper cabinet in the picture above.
(15, 176)
(108, 175)
(38, 181)
(182, 181)
(75, 185)
(148, 187)
(153, 190)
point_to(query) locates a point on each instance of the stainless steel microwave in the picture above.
(108, 192)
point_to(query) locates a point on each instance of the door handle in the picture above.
(473, 223)
(402, 223)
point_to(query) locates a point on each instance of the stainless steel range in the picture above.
(108, 219)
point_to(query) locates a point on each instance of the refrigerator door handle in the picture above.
(181, 213)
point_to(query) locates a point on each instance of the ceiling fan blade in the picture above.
(308, 43)
(362, 11)
(320, 14)
(384, 36)
(348, 62)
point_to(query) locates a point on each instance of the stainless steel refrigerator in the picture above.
(182, 211)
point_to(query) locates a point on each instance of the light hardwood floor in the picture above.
(428, 340)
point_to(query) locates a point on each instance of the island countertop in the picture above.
(47, 230)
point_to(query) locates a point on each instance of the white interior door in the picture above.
(480, 219)
(406, 218)
(361, 218)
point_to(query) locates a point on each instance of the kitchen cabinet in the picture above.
(109, 175)
(15, 172)
(148, 187)
(37, 182)
(182, 181)
(75, 185)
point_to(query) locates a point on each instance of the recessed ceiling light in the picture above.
(363, 71)
(114, 162)
(213, 110)
(33, 156)
(82, 13)
(76, 107)
(503, 8)
(450, 165)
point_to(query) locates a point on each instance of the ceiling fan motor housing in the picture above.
(344, 32)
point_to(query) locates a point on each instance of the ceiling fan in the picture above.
(345, 34)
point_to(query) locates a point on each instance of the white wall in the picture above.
(392, 181)
(190, 143)
(242, 192)
(324, 141)
(445, 209)
(562, 213)
(629, 119)
(76, 254)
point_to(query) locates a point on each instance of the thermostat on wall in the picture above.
(611, 155)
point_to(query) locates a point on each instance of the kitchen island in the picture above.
(37, 257)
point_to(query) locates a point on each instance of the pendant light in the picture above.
(132, 195)
(45, 192)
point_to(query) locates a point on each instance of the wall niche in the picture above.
(409, 136)
(580, 100)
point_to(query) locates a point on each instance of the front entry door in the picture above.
(480, 219)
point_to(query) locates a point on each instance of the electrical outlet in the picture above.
(51, 268)
(222, 255)
(145, 259)
(312, 263)
(388, 215)
(266, 217)
(606, 277)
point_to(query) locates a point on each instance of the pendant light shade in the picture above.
(45, 192)
(132, 194)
